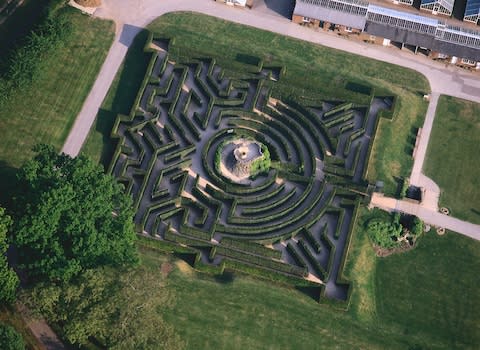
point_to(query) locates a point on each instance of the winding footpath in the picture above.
(130, 16)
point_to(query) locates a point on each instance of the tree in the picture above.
(384, 233)
(10, 339)
(417, 226)
(8, 278)
(121, 309)
(71, 217)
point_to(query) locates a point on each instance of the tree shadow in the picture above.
(8, 184)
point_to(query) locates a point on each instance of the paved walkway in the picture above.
(431, 191)
(428, 216)
(132, 15)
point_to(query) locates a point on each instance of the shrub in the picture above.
(417, 227)
(384, 233)
(10, 339)
(26, 63)
(404, 188)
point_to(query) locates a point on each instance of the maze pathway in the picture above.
(294, 220)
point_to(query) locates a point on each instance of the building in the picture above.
(472, 11)
(241, 3)
(386, 25)
(444, 7)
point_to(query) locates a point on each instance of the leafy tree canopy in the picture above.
(8, 277)
(417, 226)
(71, 216)
(10, 339)
(120, 309)
(384, 233)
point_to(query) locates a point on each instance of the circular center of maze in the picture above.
(222, 167)
(240, 159)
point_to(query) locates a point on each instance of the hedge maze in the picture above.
(291, 223)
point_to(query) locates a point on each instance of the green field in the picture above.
(452, 156)
(426, 298)
(46, 110)
(433, 290)
(406, 301)
(330, 75)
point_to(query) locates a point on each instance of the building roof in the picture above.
(350, 13)
(447, 4)
(472, 11)
(403, 15)
(361, 3)
(472, 8)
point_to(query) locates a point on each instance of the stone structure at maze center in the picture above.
(238, 157)
(293, 221)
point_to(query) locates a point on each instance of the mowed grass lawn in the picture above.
(313, 73)
(46, 110)
(453, 156)
(433, 290)
(424, 299)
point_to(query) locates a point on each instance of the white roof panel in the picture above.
(403, 15)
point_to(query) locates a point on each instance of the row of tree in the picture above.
(72, 236)
(26, 62)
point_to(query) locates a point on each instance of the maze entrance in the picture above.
(292, 218)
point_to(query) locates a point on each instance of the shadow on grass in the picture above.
(131, 78)
(312, 292)
(189, 258)
(358, 88)
(8, 184)
(225, 278)
(123, 97)
(104, 125)
(20, 23)
(248, 59)
(475, 211)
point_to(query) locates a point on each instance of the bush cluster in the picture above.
(10, 339)
(384, 233)
(27, 63)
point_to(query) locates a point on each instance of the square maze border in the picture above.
(294, 222)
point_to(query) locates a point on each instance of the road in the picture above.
(132, 15)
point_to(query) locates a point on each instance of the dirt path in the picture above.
(40, 329)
